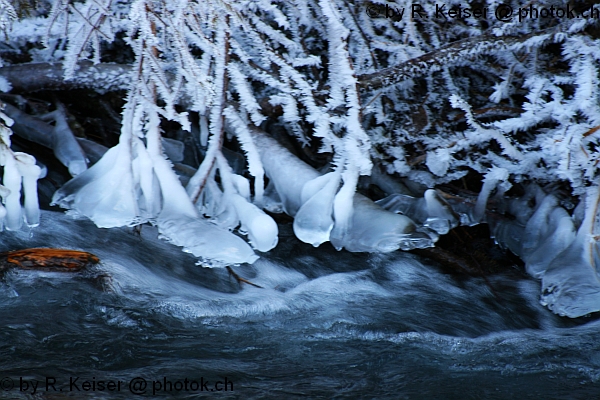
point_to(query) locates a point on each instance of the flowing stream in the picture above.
(326, 324)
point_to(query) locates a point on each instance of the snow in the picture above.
(438, 161)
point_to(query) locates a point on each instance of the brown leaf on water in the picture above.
(60, 260)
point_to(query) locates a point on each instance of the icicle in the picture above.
(287, 173)
(431, 210)
(65, 146)
(490, 181)
(204, 131)
(560, 234)
(204, 240)
(179, 222)
(150, 196)
(343, 206)
(536, 230)
(241, 185)
(12, 181)
(375, 229)
(30, 173)
(59, 138)
(508, 234)
(4, 192)
(29, 127)
(371, 228)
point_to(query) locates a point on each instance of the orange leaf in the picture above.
(48, 259)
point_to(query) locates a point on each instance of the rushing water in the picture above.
(326, 324)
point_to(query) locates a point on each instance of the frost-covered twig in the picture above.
(436, 60)
(217, 126)
(33, 77)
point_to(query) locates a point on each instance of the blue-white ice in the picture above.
(560, 250)
(311, 198)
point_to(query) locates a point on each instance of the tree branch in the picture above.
(107, 77)
(450, 54)
(33, 77)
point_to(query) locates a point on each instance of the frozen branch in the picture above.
(438, 59)
(34, 77)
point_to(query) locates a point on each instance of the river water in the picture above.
(326, 324)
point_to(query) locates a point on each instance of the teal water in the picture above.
(326, 324)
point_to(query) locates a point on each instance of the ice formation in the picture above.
(309, 197)
(105, 193)
(133, 183)
(93, 151)
(431, 210)
(65, 146)
(351, 88)
(12, 181)
(314, 220)
(59, 137)
(375, 229)
(30, 174)
(570, 284)
(547, 234)
(261, 229)
(20, 171)
(555, 250)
